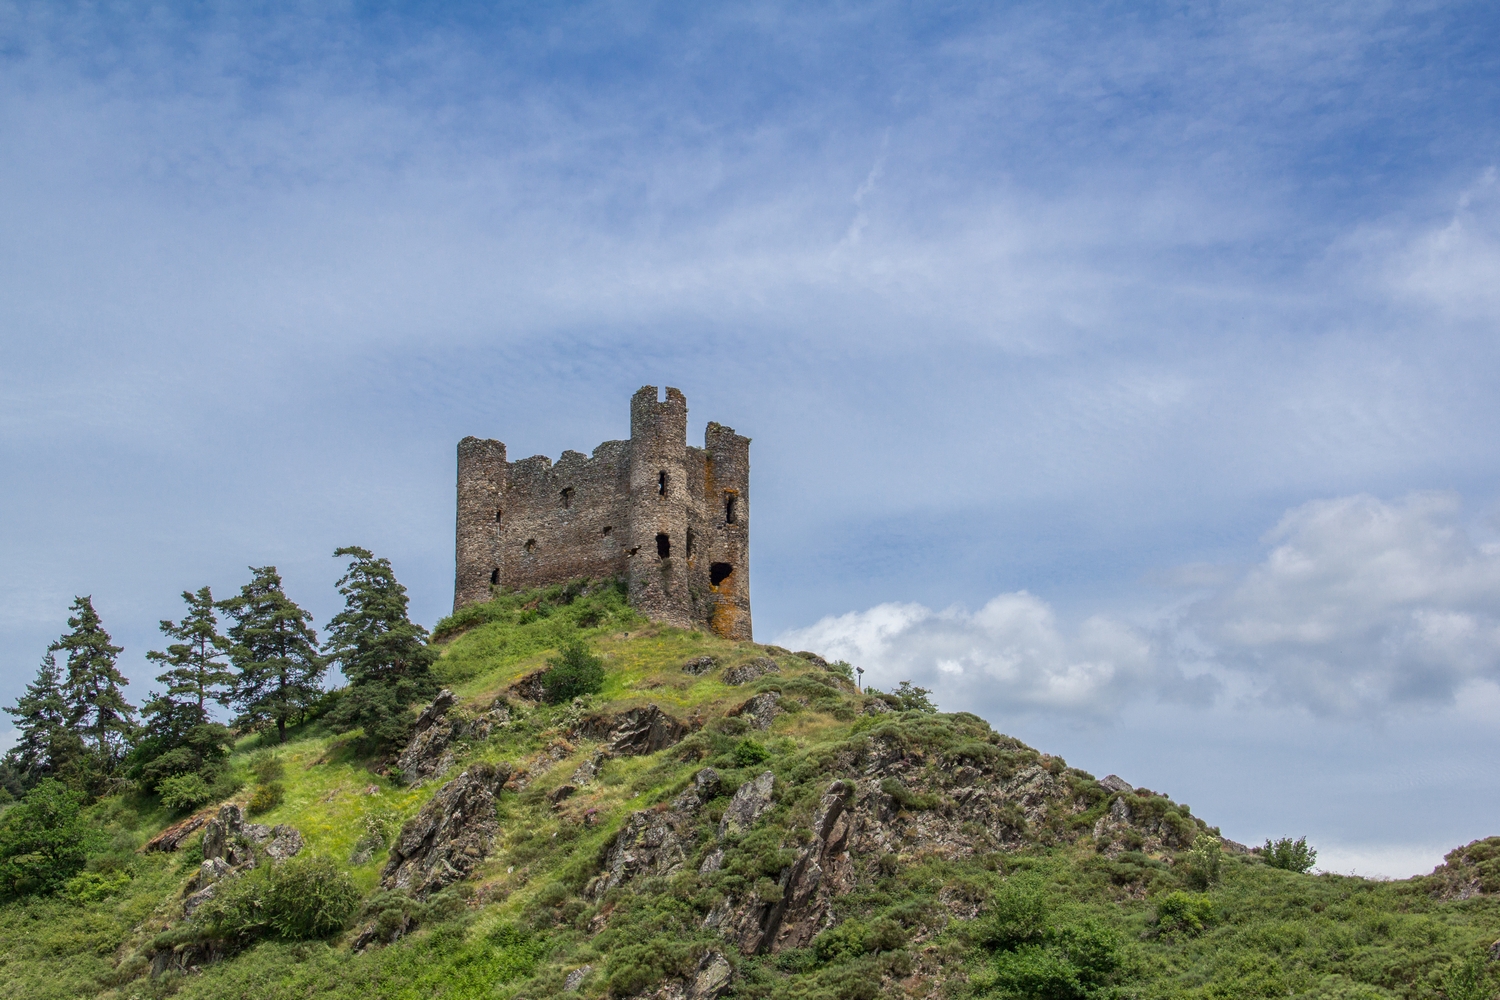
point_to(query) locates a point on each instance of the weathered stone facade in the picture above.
(670, 519)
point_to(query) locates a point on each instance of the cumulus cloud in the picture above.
(1013, 652)
(1361, 604)
(1358, 605)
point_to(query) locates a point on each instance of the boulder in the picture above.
(576, 977)
(700, 665)
(228, 836)
(1115, 783)
(636, 732)
(744, 673)
(711, 978)
(761, 710)
(451, 834)
(750, 800)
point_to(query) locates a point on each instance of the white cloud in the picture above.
(1012, 651)
(1359, 606)
(1456, 266)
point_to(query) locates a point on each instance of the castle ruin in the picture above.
(672, 520)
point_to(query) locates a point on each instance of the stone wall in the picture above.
(672, 520)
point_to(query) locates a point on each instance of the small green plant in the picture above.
(575, 671)
(1289, 855)
(300, 898)
(842, 668)
(91, 887)
(267, 767)
(749, 752)
(1184, 913)
(266, 797)
(184, 792)
(1470, 980)
(1203, 862)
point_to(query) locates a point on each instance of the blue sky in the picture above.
(1124, 372)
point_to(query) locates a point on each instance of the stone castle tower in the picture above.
(672, 520)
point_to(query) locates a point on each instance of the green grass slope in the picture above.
(1042, 911)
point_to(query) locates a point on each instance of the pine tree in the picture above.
(95, 705)
(46, 746)
(275, 652)
(383, 653)
(196, 659)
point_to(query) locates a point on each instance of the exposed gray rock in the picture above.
(761, 710)
(587, 771)
(700, 666)
(576, 977)
(713, 862)
(228, 836)
(712, 977)
(655, 842)
(558, 794)
(876, 707)
(1115, 783)
(744, 673)
(285, 842)
(750, 800)
(637, 731)
(452, 833)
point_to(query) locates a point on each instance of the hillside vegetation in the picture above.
(718, 819)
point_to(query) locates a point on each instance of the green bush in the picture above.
(1291, 855)
(1203, 861)
(266, 797)
(267, 767)
(1017, 915)
(750, 752)
(91, 887)
(300, 898)
(184, 792)
(575, 671)
(44, 840)
(1184, 913)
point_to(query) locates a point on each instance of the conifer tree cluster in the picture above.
(255, 655)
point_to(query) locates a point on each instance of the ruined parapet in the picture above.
(669, 519)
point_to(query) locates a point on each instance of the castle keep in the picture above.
(672, 520)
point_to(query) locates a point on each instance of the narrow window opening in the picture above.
(663, 546)
(495, 577)
(608, 529)
(531, 545)
(567, 497)
(719, 572)
(690, 540)
(499, 514)
(635, 550)
(731, 513)
(661, 484)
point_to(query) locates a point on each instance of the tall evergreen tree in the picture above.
(196, 661)
(46, 746)
(383, 653)
(274, 650)
(95, 704)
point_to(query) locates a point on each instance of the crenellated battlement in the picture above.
(669, 518)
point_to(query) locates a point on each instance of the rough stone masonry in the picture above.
(670, 519)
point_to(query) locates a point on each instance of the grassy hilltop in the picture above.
(900, 852)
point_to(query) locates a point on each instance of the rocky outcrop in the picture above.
(750, 800)
(228, 837)
(1143, 821)
(700, 665)
(637, 731)
(655, 842)
(433, 746)
(761, 710)
(1115, 783)
(744, 673)
(1468, 871)
(451, 834)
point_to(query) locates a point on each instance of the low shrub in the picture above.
(183, 793)
(300, 898)
(749, 752)
(266, 797)
(1288, 854)
(575, 672)
(1202, 863)
(1184, 913)
(267, 767)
